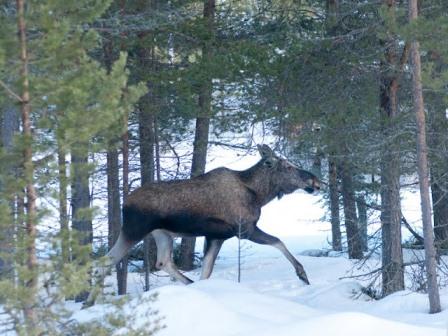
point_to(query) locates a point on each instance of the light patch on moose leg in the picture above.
(164, 243)
(119, 250)
(213, 247)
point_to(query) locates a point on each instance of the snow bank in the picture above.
(351, 324)
(225, 308)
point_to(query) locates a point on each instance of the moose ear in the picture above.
(265, 151)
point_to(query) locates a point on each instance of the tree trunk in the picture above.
(9, 125)
(334, 206)
(200, 144)
(437, 138)
(63, 211)
(423, 173)
(332, 15)
(147, 140)
(440, 207)
(392, 255)
(122, 266)
(362, 219)
(113, 203)
(351, 221)
(81, 217)
(31, 319)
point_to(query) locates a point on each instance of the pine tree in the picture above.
(423, 172)
(66, 99)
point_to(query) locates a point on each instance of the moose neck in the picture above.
(259, 180)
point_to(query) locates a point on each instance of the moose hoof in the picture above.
(87, 304)
(303, 277)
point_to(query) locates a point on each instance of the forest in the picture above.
(100, 97)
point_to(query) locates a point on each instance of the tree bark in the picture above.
(81, 218)
(334, 206)
(200, 144)
(113, 204)
(423, 173)
(437, 138)
(31, 319)
(392, 255)
(122, 266)
(362, 218)
(332, 15)
(63, 211)
(147, 142)
(9, 125)
(351, 221)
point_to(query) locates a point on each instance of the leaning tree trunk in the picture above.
(351, 221)
(28, 170)
(423, 173)
(392, 254)
(334, 206)
(200, 145)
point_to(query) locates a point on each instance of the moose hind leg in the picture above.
(165, 262)
(213, 247)
(261, 237)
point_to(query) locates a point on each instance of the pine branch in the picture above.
(10, 92)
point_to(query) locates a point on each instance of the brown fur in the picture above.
(224, 196)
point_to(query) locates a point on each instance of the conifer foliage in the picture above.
(98, 97)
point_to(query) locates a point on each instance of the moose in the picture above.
(218, 205)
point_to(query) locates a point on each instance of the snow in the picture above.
(271, 300)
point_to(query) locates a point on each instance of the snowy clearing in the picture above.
(270, 300)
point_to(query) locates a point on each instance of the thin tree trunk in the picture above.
(423, 173)
(122, 266)
(200, 144)
(31, 319)
(392, 255)
(351, 221)
(113, 203)
(157, 149)
(334, 206)
(362, 218)
(63, 211)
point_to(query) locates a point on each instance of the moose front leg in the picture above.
(261, 237)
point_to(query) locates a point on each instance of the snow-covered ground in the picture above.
(271, 300)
